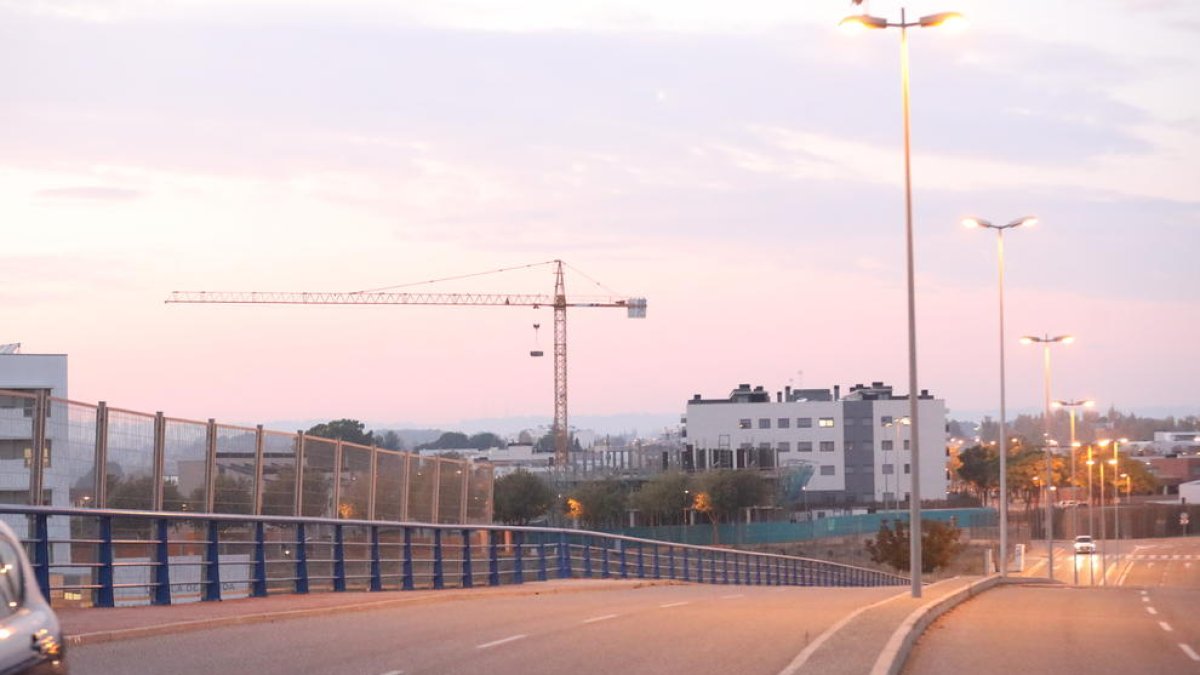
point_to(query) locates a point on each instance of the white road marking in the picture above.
(394, 672)
(1189, 651)
(495, 643)
(606, 617)
(1145, 598)
(1165, 626)
(1152, 610)
(674, 604)
(1144, 592)
(731, 597)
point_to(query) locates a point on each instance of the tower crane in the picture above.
(635, 307)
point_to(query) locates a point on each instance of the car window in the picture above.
(12, 584)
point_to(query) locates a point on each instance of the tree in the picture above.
(730, 491)
(665, 498)
(347, 430)
(520, 497)
(603, 503)
(390, 440)
(940, 545)
(231, 494)
(485, 440)
(979, 468)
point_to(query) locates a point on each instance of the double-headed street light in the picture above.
(1071, 406)
(1046, 342)
(980, 223)
(859, 23)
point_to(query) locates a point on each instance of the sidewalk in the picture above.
(877, 638)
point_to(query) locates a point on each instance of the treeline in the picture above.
(353, 431)
(1090, 425)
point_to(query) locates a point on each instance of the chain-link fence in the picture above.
(55, 452)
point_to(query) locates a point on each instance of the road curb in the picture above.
(100, 637)
(894, 655)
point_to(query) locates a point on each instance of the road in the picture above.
(1137, 562)
(676, 628)
(1144, 621)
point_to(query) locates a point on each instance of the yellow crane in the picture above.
(636, 309)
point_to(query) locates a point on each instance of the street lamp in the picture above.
(896, 447)
(1091, 513)
(855, 24)
(1046, 341)
(1071, 406)
(1027, 221)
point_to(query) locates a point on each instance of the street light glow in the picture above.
(860, 23)
(948, 20)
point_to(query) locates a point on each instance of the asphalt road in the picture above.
(1144, 621)
(692, 629)
(1137, 562)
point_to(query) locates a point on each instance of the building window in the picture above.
(764, 446)
(744, 423)
(848, 446)
(866, 421)
(784, 422)
(885, 420)
(804, 422)
(849, 421)
(764, 423)
(826, 446)
(825, 422)
(785, 446)
(885, 445)
(804, 446)
(906, 469)
(889, 469)
(828, 470)
(906, 444)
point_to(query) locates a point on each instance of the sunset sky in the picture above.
(737, 164)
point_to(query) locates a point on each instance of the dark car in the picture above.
(31, 639)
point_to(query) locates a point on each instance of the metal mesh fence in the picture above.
(150, 461)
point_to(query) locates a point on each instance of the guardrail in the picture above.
(164, 557)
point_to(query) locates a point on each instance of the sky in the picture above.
(737, 164)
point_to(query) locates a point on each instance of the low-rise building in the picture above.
(859, 445)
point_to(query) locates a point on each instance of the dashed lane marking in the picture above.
(673, 604)
(1165, 626)
(1189, 651)
(1152, 610)
(496, 643)
(606, 617)
(731, 597)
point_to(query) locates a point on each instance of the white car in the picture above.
(1085, 544)
(33, 639)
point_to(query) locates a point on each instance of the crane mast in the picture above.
(635, 307)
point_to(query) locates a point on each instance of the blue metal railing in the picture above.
(154, 557)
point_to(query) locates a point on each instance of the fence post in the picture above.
(518, 557)
(671, 561)
(162, 568)
(587, 558)
(657, 564)
(712, 569)
(376, 562)
(260, 560)
(104, 594)
(624, 559)
(604, 561)
(212, 564)
(493, 558)
(100, 486)
(641, 564)
(757, 571)
(407, 583)
(210, 466)
(699, 566)
(339, 559)
(41, 552)
(725, 568)
(564, 557)
(37, 458)
(686, 575)
(301, 560)
(159, 460)
(438, 580)
(468, 573)
(541, 575)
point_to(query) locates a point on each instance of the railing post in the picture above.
(518, 557)
(624, 559)
(641, 564)
(686, 575)
(564, 557)
(699, 566)
(757, 571)
(376, 561)
(41, 552)
(260, 560)
(301, 560)
(339, 559)
(468, 572)
(162, 568)
(541, 575)
(493, 558)
(587, 557)
(671, 561)
(712, 569)
(438, 581)
(212, 564)
(406, 583)
(104, 594)
(604, 560)
(657, 564)
(725, 568)
(159, 461)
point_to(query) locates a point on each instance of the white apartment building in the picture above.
(859, 445)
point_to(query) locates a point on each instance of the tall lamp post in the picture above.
(1071, 406)
(897, 445)
(1027, 221)
(1046, 342)
(858, 23)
